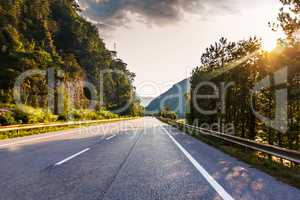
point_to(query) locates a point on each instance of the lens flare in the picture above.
(269, 44)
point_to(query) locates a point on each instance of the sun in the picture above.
(269, 44)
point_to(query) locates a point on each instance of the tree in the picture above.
(42, 34)
(288, 19)
(226, 62)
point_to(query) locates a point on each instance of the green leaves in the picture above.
(42, 34)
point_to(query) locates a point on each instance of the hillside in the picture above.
(145, 101)
(174, 98)
(37, 34)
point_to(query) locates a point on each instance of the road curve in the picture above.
(138, 159)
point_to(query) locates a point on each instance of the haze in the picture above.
(156, 43)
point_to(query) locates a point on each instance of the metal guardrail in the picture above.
(272, 150)
(53, 125)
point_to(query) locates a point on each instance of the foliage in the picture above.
(106, 114)
(6, 117)
(137, 110)
(11, 114)
(288, 20)
(28, 115)
(244, 63)
(37, 34)
(167, 113)
(87, 115)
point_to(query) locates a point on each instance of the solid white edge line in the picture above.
(219, 189)
(111, 137)
(71, 157)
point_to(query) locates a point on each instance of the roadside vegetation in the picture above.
(48, 34)
(282, 170)
(12, 115)
(167, 113)
(242, 65)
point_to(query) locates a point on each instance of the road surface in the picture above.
(139, 159)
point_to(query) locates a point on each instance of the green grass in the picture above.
(286, 172)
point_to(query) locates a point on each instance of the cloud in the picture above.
(159, 12)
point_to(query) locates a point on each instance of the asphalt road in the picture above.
(140, 159)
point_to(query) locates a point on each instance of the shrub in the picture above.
(86, 115)
(65, 116)
(49, 117)
(6, 96)
(77, 114)
(6, 117)
(27, 114)
(168, 115)
(92, 115)
(11, 114)
(106, 114)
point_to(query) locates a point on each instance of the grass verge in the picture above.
(283, 171)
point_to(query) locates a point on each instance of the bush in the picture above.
(86, 115)
(168, 115)
(49, 117)
(6, 117)
(11, 114)
(27, 114)
(106, 114)
(63, 116)
(69, 116)
(6, 96)
(92, 115)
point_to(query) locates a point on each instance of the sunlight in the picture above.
(269, 44)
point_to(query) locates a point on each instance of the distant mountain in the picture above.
(145, 101)
(174, 98)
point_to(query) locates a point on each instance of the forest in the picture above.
(241, 66)
(44, 34)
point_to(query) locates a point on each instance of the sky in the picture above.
(163, 40)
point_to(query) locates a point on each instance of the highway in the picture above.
(141, 159)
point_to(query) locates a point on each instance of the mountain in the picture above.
(145, 101)
(44, 34)
(174, 98)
